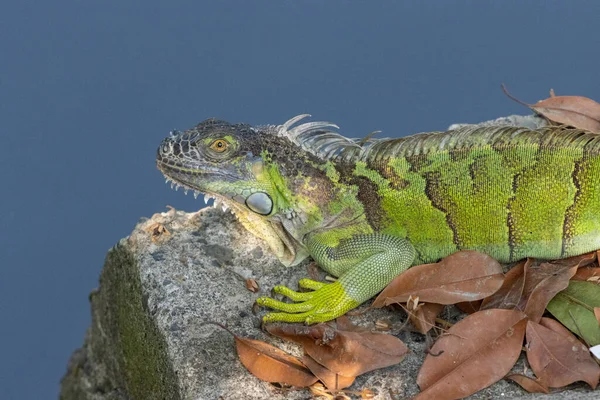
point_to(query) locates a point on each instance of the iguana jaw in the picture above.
(233, 187)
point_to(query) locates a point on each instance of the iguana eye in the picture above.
(219, 145)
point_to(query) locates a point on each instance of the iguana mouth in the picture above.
(219, 200)
(175, 169)
(176, 172)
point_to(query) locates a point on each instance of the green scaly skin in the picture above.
(366, 211)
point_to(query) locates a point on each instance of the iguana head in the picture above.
(270, 177)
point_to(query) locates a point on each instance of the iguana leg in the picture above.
(365, 265)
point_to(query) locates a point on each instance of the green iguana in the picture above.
(366, 210)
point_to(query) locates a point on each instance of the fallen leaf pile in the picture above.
(505, 311)
(333, 354)
(483, 347)
(338, 355)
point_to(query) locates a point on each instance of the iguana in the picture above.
(366, 210)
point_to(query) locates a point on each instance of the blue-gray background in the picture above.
(89, 88)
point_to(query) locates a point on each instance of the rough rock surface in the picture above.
(158, 289)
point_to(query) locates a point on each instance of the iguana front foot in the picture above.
(326, 302)
(365, 265)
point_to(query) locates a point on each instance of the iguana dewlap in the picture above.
(368, 210)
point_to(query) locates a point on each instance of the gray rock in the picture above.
(150, 336)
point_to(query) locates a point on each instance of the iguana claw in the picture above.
(327, 302)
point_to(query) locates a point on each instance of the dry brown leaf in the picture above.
(271, 364)
(469, 307)
(476, 352)
(542, 282)
(589, 274)
(349, 353)
(330, 379)
(530, 286)
(313, 270)
(318, 389)
(344, 323)
(577, 111)
(383, 325)
(529, 384)
(462, 276)
(555, 326)
(412, 303)
(367, 394)
(252, 285)
(581, 261)
(158, 232)
(423, 318)
(588, 268)
(559, 359)
(597, 313)
(510, 293)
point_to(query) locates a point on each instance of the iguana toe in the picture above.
(310, 284)
(293, 295)
(287, 307)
